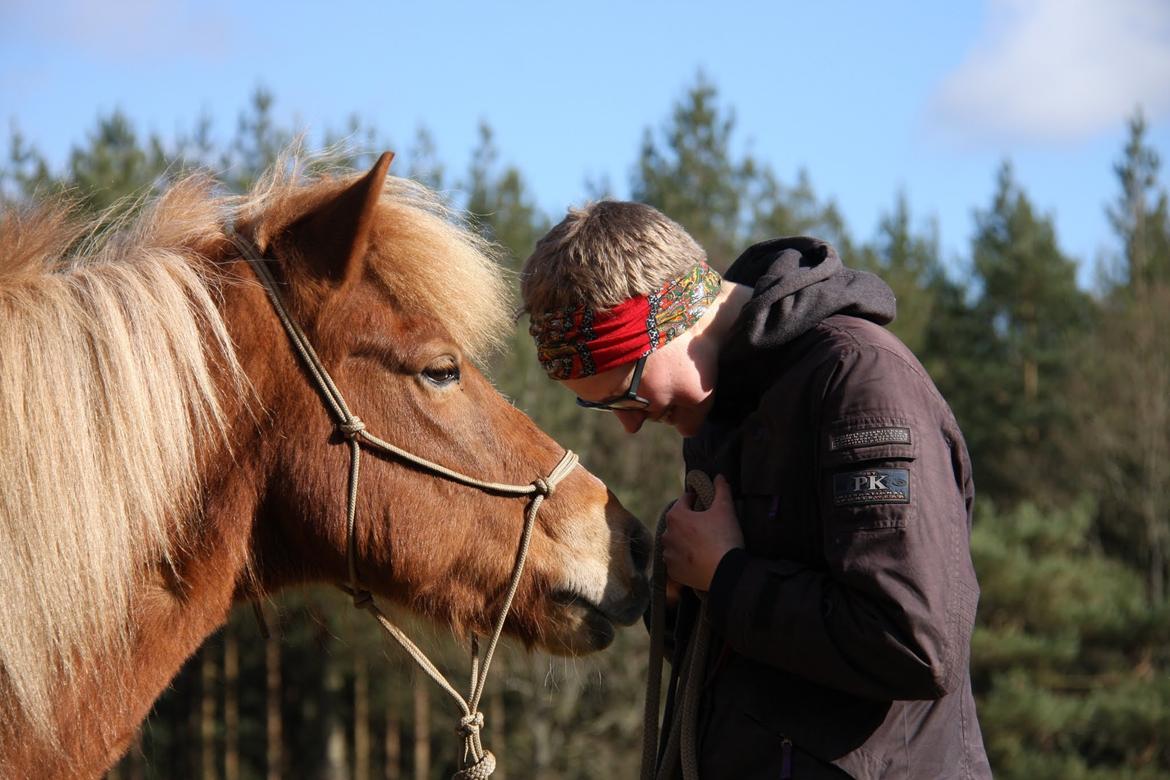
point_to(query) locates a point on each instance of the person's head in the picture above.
(617, 294)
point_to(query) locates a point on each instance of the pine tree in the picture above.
(257, 143)
(1123, 395)
(909, 263)
(689, 172)
(424, 164)
(1141, 216)
(778, 210)
(500, 201)
(114, 166)
(25, 174)
(1035, 314)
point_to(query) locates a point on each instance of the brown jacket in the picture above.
(841, 635)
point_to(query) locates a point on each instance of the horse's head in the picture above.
(398, 302)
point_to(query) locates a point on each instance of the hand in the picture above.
(695, 542)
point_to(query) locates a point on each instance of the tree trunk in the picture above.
(497, 734)
(132, 766)
(393, 768)
(274, 752)
(540, 718)
(422, 727)
(190, 747)
(231, 704)
(361, 717)
(207, 714)
(336, 755)
(1152, 382)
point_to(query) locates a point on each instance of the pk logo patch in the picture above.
(872, 486)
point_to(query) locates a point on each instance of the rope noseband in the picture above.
(478, 762)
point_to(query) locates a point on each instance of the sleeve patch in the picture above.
(869, 437)
(871, 486)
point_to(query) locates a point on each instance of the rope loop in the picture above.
(480, 770)
(351, 428)
(470, 725)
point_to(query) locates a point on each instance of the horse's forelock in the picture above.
(441, 268)
(424, 252)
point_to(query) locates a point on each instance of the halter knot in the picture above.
(470, 725)
(544, 487)
(351, 428)
(480, 770)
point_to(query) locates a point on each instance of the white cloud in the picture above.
(1046, 70)
(123, 30)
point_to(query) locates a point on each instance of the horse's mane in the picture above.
(112, 355)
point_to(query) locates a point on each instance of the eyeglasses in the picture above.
(628, 401)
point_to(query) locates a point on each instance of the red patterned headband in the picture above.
(578, 342)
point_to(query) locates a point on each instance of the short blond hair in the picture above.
(603, 254)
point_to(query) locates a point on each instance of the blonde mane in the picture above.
(112, 353)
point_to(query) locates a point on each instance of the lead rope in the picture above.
(681, 731)
(479, 763)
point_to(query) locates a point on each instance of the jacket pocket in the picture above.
(795, 761)
(868, 478)
(868, 438)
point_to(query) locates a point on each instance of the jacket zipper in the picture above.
(786, 759)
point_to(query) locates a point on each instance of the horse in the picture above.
(165, 455)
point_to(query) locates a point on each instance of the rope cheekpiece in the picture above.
(479, 763)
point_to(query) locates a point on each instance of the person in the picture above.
(834, 558)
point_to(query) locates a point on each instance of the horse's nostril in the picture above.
(640, 546)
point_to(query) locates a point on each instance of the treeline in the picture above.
(1063, 393)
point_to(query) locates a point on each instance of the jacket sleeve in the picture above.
(887, 611)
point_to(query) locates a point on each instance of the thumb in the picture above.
(722, 489)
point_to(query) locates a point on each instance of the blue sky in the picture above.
(869, 98)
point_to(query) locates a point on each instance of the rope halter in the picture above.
(478, 762)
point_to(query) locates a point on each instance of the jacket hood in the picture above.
(797, 283)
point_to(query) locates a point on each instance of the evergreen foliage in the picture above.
(1034, 315)
(1069, 661)
(1141, 216)
(910, 264)
(690, 172)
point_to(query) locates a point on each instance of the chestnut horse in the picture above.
(163, 453)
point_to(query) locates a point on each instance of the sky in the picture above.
(871, 99)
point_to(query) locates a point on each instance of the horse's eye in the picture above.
(442, 374)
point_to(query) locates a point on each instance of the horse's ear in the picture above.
(335, 236)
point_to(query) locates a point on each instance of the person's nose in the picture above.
(631, 419)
